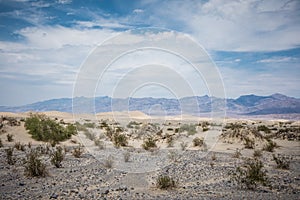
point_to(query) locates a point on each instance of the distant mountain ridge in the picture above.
(244, 105)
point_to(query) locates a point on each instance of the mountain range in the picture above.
(196, 105)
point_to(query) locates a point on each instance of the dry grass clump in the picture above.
(9, 156)
(165, 182)
(19, 146)
(120, 140)
(108, 162)
(34, 167)
(250, 174)
(270, 146)
(282, 162)
(149, 143)
(57, 157)
(10, 137)
(77, 151)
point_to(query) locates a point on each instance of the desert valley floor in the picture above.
(199, 158)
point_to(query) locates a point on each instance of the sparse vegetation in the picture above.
(149, 143)
(1, 144)
(270, 146)
(165, 182)
(34, 167)
(263, 128)
(42, 128)
(282, 162)
(170, 141)
(9, 156)
(57, 157)
(198, 141)
(77, 151)
(257, 153)
(237, 153)
(108, 162)
(126, 156)
(100, 144)
(189, 128)
(250, 174)
(120, 140)
(249, 143)
(10, 137)
(19, 146)
(89, 135)
(183, 146)
(213, 157)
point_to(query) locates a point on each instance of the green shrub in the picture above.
(263, 128)
(120, 140)
(165, 182)
(250, 174)
(189, 128)
(10, 137)
(34, 167)
(44, 129)
(57, 157)
(89, 125)
(149, 143)
(283, 162)
(9, 156)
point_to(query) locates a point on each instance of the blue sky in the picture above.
(43, 44)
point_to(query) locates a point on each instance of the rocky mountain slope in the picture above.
(244, 105)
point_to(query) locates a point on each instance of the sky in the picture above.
(48, 47)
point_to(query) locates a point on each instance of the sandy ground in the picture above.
(144, 166)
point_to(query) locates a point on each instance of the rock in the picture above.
(54, 196)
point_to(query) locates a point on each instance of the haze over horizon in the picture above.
(254, 44)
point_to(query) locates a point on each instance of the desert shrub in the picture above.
(250, 174)
(89, 135)
(19, 146)
(183, 146)
(173, 156)
(213, 157)
(263, 128)
(257, 153)
(248, 143)
(34, 167)
(77, 151)
(149, 143)
(165, 182)
(282, 162)
(126, 156)
(80, 127)
(120, 140)
(89, 125)
(189, 128)
(205, 128)
(233, 126)
(108, 162)
(132, 124)
(100, 144)
(1, 144)
(10, 137)
(29, 145)
(198, 141)
(237, 153)
(270, 146)
(42, 128)
(9, 156)
(57, 157)
(170, 141)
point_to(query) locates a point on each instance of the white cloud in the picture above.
(234, 25)
(138, 11)
(277, 60)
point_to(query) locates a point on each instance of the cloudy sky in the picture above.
(44, 45)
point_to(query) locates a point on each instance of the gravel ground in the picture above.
(197, 176)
